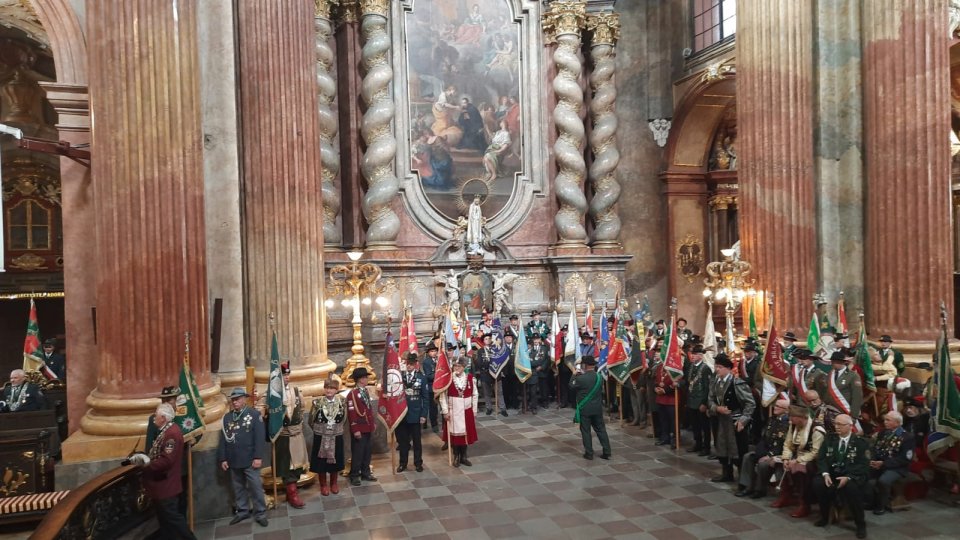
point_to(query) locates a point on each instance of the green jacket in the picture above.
(698, 383)
(582, 385)
(854, 463)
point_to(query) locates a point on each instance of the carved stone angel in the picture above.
(451, 289)
(500, 293)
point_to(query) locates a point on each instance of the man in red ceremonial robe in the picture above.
(459, 406)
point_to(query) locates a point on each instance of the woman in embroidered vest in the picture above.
(799, 457)
(459, 405)
(326, 421)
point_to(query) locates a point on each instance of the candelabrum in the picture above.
(356, 284)
(728, 280)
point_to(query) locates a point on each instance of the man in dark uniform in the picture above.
(240, 452)
(161, 479)
(750, 372)
(542, 374)
(843, 466)
(659, 329)
(586, 386)
(511, 385)
(20, 395)
(292, 458)
(789, 343)
(169, 395)
(648, 378)
(54, 360)
(682, 330)
(537, 327)
(732, 403)
(890, 460)
(361, 419)
(887, 350)
(758, 466)
(804, 376)
(408, 430)
(429, 368)
(697, 383)
(843, 390)
(513, 328)
(482, 365)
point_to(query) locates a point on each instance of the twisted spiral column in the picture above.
(383, 225)
(605, 28)
(329, 153)
(563, 22)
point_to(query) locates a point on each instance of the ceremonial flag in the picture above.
(556, 344)
(189, 402)
(672, 359)
(605, 344)
(275, 406)
(944, 400)
(841, 316)
(443, 375)
(412, 346)
(404, 342)
(643, 315)
(571, 352)
(709, 341)
(731, 341)
(521, 362)
(774, 368)
(752, 318)
(499, 353)
(466, 331)
(449, 330)
(588, 318)
(813, 336)
(863, 361)
(393, 399)
(620, 351)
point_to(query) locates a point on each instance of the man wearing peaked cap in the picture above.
(697, 382)
(240, 453)
(887, 352)
(843, 389)
(586, 387)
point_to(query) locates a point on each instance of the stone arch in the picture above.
(67, 40)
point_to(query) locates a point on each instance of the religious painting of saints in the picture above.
(463, 64)
(476, 290)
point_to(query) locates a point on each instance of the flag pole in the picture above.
(449, 437)
(190, 485)
(272, 318)
(620, 400)
(676, 397)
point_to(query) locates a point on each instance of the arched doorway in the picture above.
(699, 174)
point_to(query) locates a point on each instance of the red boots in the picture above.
(324, 490)
(783, 499)
(334, 488)
(293, 497)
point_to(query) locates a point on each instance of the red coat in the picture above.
(360, 414)
(663, 378)
(161, 478)
(469, 417)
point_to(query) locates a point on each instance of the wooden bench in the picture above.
(26, 508)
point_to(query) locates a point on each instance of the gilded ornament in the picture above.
(716, 71)
(722, 202)
(605, 28)
(323, 8)
(690, 258)
(563, 17)
(346, 11)
(607, 281)
(375, 7)
(28, 261)
(575, 287)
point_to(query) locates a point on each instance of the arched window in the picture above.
(713, 21)
(28, 227)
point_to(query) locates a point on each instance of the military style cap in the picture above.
(50, 342)
(697, 349)
(431, 347)
(723, 360)
(660, 322)
(238, 392)
(169, 392)
(588, 360)
(789, 336)
(886, 338)
(751, 347)
(838, 356)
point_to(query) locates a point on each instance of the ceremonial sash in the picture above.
(586, 398)
(837, 396)
(800, 382)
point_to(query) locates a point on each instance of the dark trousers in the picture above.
(530, 388)
(511, 387)
(596, 422)
(361, 451)
(881, 483)
(173, 525)
(665, 417)
(434, 414)
(566, 398)
(407, 433)
(851, 494)
(714, 425)
(700, 425)
(545, 382)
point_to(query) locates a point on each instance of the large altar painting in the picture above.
(464, 87)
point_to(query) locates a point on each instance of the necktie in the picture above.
(843, 447)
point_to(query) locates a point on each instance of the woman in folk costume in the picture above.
(459, 405)
(292, 457)
(326, 420)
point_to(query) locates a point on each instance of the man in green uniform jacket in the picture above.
(843, 466)
(586, 388)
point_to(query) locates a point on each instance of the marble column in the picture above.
(72, 105)
(282, 210)
(838, 156)
(147, 179)
(906, 98)
(376, 127)
(329, 152)
(562, 23)
(775, 168)
(605, 31)
(221, 171)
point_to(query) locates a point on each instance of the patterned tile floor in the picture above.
(528, 480)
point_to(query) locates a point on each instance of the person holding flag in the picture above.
(539, 394)
(429, 368)
(291, 456)
(586, 387)
(459, 406)
(54, 361)
(240, 453)
(526, 373)
(409, 429)
(697, 383)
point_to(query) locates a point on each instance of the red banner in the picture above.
(393, 399)
(774, 369)
(443, 375)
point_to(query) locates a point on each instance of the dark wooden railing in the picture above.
(103, 508)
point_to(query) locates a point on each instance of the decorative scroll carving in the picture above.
(562, 24)
(329, 154)
(346, 11)
(375, 127)
(716, 71)
(605, 286)
(605, 28)
(690, 258)
(722, 202)
(28, 261)
(575, 288)
(723, 153)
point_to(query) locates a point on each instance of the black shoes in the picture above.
(757, 494)
(401, 468)
(354, 480)
(489, 412)
(722, 478)
(881, 510)
(465, 461)
(238, 518)
(862, 531)
(696, 449)
(743, 492)
(822, 522)
(445, 446)
(503, 412)
(605, 456)
(370, 477)
(588, 456)
(262, 521)
(704, 453)
(419, 468)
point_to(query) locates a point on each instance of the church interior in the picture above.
(231, 197)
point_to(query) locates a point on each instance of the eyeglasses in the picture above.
(839, 424)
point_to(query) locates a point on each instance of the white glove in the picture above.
(140, 459)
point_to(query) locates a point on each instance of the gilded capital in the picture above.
(346, 11)
(375, 7)
(604, 27)
(322, 8)
(564, 17)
